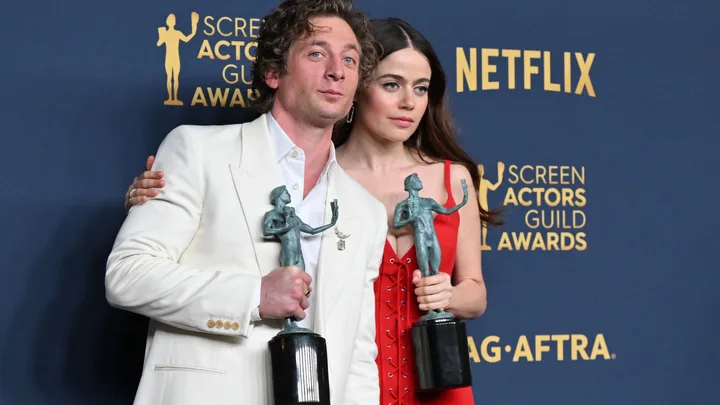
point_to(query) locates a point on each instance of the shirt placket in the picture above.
(296, 175)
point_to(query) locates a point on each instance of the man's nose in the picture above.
(335, 68)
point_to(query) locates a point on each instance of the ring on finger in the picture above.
(131, 194)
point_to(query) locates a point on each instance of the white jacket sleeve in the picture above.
(143, 273)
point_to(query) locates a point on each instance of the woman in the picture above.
(399, 125)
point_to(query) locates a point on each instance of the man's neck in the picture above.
(313, 140)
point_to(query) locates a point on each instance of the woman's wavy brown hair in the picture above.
(289, 22)
(434, 136)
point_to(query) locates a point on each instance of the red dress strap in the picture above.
(448, 184)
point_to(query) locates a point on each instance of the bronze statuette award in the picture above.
(298, 355)
(440, 345)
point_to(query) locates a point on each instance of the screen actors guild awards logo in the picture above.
(170, 37)
(224, 45)
(485, 187)
(552, 199)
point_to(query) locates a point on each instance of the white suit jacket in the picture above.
(191, 258)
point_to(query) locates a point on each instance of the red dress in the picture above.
(397, 309)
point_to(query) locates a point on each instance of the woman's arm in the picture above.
(469, 296)
(465, 295)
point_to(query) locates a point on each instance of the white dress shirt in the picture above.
(290, 161)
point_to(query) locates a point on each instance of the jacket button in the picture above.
(211, 324)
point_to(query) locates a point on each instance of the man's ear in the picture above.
(272, 78)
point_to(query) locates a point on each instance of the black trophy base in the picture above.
(442, 358)
(299, 369)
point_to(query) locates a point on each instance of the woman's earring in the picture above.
(352, 112)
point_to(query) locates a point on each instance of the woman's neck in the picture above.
(363, 151)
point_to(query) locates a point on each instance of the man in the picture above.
(194, 259)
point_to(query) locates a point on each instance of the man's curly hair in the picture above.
(289, 22)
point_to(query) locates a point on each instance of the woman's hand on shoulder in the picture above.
(144, 186)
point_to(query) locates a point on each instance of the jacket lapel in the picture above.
(254, 179)
(334, 263)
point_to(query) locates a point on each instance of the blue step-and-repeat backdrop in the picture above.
(596, 123)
